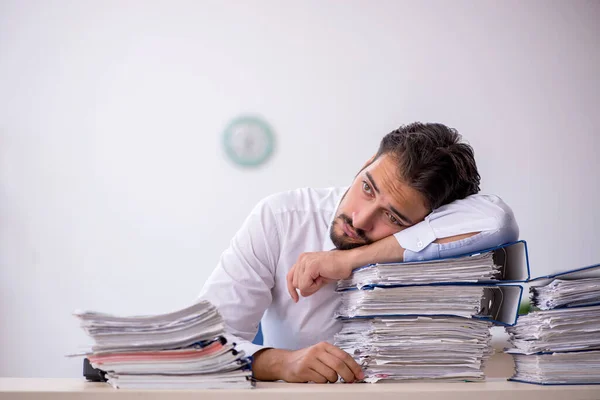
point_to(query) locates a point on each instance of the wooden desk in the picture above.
(493, 389)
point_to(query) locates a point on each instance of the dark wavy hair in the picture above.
(433, 160)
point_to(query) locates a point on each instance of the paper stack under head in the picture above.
(427, 320)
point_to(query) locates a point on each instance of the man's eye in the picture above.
(393, 219)
(366, 187)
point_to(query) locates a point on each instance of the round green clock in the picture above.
(248, 141)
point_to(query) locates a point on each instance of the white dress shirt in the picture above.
(249, 283)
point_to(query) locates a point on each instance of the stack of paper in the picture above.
(459, 300)
(479, 267)
(558, 368)
(566, 293)
(488, 302)
(561, 343)
(430, 320)
(417, 348)
(182, 349)
(557, 330)
(425, 332)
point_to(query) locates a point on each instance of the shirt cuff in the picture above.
(417, 237)
(247, 347)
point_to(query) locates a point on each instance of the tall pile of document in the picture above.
(427, 320)
(560, 342)
(417, 348)
(185, 349)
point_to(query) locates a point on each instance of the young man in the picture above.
(415, 199)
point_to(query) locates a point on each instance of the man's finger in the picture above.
(290, 285)
(306, 293)
(314, 272)
(295, 277)
(339, 366)
(298, 271)
(347, 359)
(324, 370)
(314, 376)
(317, 285)
(305, 282)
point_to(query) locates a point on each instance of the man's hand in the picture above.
(314, 270)
(320, 363)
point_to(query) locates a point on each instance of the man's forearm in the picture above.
(385, 250)
(316, 269)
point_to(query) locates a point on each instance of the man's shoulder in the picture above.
(306, 199)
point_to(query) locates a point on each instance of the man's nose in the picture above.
(363, 219)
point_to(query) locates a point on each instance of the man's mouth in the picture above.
(348, 231)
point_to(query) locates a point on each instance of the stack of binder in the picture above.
(185, 349)
(430, 320)
(560, 342)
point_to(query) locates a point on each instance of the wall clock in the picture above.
(248, 141)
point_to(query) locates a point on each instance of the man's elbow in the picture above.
(508, 229)
(505, 230)
(494, 223)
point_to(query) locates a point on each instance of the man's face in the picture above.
(377, 205)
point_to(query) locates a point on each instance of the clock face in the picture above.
(248, 141)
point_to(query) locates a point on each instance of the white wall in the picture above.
(115, 194)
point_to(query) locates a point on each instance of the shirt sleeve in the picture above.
(486, 214)
(240, 286)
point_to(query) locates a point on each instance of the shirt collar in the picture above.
(327, 243)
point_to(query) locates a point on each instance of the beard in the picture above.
(344, 242)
